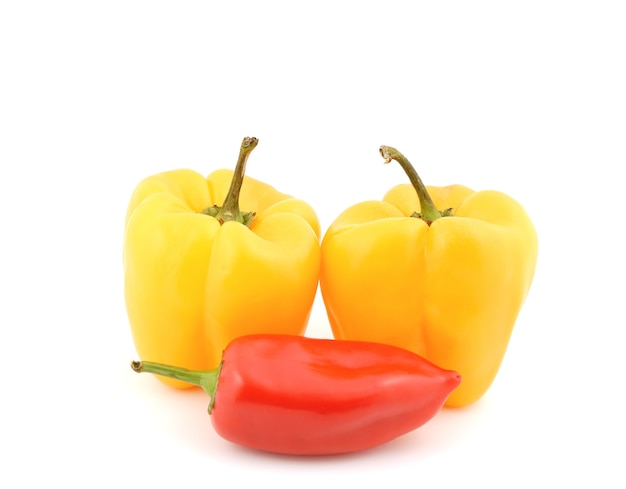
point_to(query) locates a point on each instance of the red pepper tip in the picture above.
(454, 379)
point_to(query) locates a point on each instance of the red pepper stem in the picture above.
(207, 379)
(230, 208)
(428, 211)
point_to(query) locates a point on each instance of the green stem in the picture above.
(428, 211)
(229, 211)
(207, 379)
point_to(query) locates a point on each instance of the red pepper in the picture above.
(305, 396)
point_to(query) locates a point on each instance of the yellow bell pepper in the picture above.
(196, 275)
(447, 284)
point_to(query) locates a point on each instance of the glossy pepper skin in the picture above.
(448, 286)
(194, 280)
(304, 396)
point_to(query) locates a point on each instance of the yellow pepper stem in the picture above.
(428, 211)
(230, 208)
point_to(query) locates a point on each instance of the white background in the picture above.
(525, 97)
